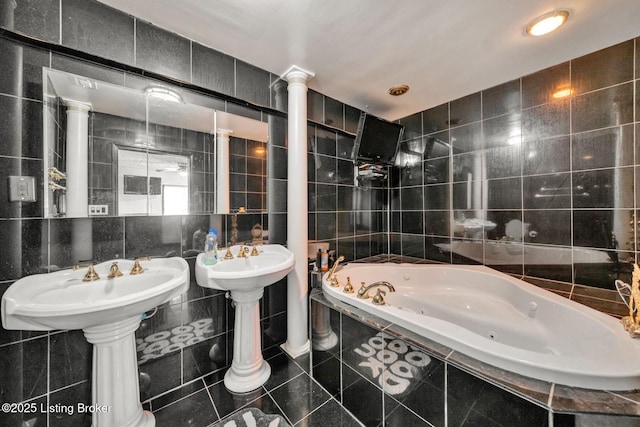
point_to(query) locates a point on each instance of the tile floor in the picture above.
(289, 392)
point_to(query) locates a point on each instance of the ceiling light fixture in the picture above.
(562, 92)
(546, 23)
(398, 90)
(163, 93)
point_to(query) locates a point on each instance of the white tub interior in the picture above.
(502, 321)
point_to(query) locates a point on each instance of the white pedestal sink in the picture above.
(108, 311)
(245, 278)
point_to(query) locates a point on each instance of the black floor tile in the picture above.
(176, 395)
(330, 414)
(263, 402)
(283, 368)
(299, 397)
(195, 410)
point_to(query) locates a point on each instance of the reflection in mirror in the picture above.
(112, 150)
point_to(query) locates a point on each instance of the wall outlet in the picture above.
(22, 189)
(97, 210)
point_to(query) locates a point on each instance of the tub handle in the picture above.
(378, 299)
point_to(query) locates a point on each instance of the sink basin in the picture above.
(473, 225)
(252, 272)
(245, 278)
(61, 300)
(108, 311)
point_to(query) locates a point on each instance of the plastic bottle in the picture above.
(211, 248)
(324, 261)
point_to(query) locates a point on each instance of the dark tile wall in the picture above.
(54, 367)
(347, 213)
(248, 175)
(545, 185)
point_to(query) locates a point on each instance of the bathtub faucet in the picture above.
(363, 292)
(335, 266)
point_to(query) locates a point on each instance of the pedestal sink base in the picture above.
(245, 278)
(115, 390)
(242, 382)
(248, 369)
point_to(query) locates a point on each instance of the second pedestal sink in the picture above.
(108, 310)
(245, 278)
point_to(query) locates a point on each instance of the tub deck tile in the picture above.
(571, 399)
(531, 389)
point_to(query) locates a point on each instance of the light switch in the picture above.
(22, 189)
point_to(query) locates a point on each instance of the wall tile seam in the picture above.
(45, 335)
(23, 98)
(19, 158)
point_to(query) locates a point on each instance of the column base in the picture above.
(242, 382)
(326, 342)
(296, 352)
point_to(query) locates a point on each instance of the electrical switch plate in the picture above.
(22, 189)
(97, 210)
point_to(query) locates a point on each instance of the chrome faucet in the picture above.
(363, 292)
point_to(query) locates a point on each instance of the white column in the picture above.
(297, 211)
(77, 198)
(222, 171)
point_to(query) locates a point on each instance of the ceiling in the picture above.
(358, 49)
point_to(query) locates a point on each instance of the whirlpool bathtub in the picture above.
(502, 321)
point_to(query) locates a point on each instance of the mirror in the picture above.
(114, 150)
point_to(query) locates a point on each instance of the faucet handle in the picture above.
(378, 299)
(334, 282)
(242, 253)
(228, 254)
(114, 271)
(254, 251)
(91, 274)
(137, 268)
(362, 292)
(348, 288)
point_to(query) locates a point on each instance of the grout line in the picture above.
(215, 408)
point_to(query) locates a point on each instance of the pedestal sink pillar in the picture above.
(114, 389)
(249, 370)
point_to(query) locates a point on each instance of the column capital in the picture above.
(223, 133)
(297, 74)
(74, 105)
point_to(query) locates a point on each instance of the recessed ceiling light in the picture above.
(546, 23)
(562, 92)
(163, 93)
(398, 90)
